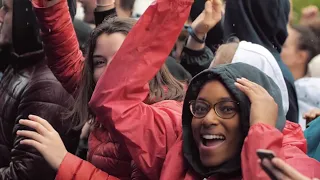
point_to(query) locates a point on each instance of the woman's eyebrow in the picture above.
(98, 56)
(225, 99)
(220, 99)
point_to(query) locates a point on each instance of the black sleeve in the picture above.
(100, 16)
(45, 100)
(293, 112)
(177, 70)
(196, 61)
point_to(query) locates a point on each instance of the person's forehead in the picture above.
(213, 89)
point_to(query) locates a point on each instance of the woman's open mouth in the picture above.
(212, 141)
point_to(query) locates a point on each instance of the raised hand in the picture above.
(210, 16)
(46, 140)
(311, 115)
(308, 14)
(263, 107)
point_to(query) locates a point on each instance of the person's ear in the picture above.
(303, 56)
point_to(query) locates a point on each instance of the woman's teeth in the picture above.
(210, 140)
(213, 137)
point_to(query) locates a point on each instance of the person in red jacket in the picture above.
(231, 128)
(224, 124)
(160, 96)
(229, 113)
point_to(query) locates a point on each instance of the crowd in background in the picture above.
(165, 89)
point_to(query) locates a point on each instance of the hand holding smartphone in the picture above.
(276, 168)
(266, 156)
(263, 153)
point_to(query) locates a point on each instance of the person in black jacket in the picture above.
(265, 23)
(28, 87)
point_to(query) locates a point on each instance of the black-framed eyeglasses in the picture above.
(223, 109)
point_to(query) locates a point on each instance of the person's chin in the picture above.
(211, 161)
(212, 156)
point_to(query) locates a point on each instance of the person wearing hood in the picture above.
(254, 55)
(224, 116)
(260, 22)
(218, 118)
(206, 127)
(28, 87)
(267, 29)
(314, 66)
(264, 23)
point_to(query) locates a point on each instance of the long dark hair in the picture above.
(162, 87)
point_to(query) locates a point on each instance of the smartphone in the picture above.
(263, 153)
(267, 154)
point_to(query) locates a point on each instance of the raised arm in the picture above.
(64, 56)
(118, 100)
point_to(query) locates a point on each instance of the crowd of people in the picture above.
(165, 89)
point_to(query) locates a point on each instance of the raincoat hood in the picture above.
(26, 42)
(261, 22)
(259, 57)
(314, 66)
(226, 74)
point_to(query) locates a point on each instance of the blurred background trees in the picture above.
(300, 4)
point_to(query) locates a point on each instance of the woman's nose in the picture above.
(211, 119)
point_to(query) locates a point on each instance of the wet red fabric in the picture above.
(66, 61)
(148, 131)
(61, 45)
(288, 145)
(73, 168)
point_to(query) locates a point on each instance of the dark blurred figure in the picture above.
(264, 23)
(124, 7)
(83, 31)
(88, 10)
(28, 87)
